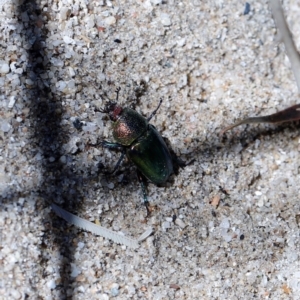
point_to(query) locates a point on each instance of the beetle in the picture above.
(140, 142)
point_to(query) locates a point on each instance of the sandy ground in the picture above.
(225, 227)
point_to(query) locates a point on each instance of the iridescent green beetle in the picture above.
(140, 142)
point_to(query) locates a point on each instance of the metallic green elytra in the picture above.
(140, 142)
(151, 156)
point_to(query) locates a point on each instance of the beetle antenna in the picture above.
(155, 111)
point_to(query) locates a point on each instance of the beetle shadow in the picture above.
(244, 139)
(229, 141)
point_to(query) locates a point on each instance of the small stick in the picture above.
(287, 115)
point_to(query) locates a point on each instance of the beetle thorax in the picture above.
(115, 112)
(128, 126)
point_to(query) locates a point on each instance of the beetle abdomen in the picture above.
(151, 156)
(128, 127)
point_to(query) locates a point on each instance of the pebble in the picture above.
(180, 223)
(63, 159)
(89, 127)
(80, 245)
(21, 201)
(71, 72)
(51, 284)
(72, 147)
(260, 202)
(12, 101)
(156, 2)
(71, 85)
(56, 62)
(81, 289)
(89, 22)
(111, 185)
(38, 156)
(75, 271)
(114, 290)
(18, 71)
(225, 223)
(29, 82)
(64, 13)
(165, 19)
(182, 81)
(165, 225)
(15, 294)
(61, 85)
(174, 286)
(104, 297)
(110, 20)
(5, 126)
(4, 68)
(227, 237)
(68, 40)
(181, 42)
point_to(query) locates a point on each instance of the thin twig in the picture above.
(287, 115)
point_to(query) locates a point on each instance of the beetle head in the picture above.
(113, 110)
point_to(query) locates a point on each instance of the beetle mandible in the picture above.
(140, 142)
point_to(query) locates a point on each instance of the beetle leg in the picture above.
(117, 92)
(118, 163)
(155, 111)
(141, 179)
(179, 162)
(110, 145)
(115, 146)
